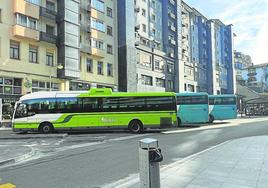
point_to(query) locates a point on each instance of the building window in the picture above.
(100, 67)
(49, 59)
(10, 86)
(14, 50)
(97, 44)
(49, 29)
(143, 12)
(98, 5)
(32, 23)
(109, 49)
(36, 2)
(160, 82)
(50, 5)
(153, 17)
(144, 28)
(90, 65)
(147, 80)
(109, 30)
(109, 69)
(33, 54)
(109, 12)
(170, 84)
(170, 68)
(98, 25)
(44, 86)
(26, 21)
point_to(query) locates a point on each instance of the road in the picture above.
(97, 159)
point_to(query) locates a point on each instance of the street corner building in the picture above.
(57, 45)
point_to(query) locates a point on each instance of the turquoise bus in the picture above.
(222, 107)
(47, 112)
(192, 108)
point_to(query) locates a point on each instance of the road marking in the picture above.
(8, 185)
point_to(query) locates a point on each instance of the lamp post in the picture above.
(60, 66)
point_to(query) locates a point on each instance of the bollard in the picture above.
(149, 158)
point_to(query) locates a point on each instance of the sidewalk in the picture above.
(240, 163)
(11, 154)
(237, 163)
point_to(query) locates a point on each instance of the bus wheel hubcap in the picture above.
(46, 129)
(136, 127)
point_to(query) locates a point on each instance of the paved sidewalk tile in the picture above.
(241, 163)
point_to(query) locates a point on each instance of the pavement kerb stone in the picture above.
(33, 136)
(19, 158)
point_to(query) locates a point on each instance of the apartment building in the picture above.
(144, 65)
(241, 61)
(221, 75)
(57, 45)
(256, 77)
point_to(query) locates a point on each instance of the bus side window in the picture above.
(90, 104)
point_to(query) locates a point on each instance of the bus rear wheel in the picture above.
(135, 126)
(46, 128)
(211, 118)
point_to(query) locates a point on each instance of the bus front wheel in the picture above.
(46, 128)
(211, 119)
(135, 126)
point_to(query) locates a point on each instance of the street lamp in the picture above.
(59, 66)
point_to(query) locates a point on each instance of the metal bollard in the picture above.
(149, 158)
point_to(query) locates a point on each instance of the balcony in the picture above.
(85, 48)
(172, 2)
(137, 27)
(26, 8)
(98, 52)
(85, 6)
(171, 54)
(172, 28)
(47, 13)
(172, 15)
(252, 74)
(97, 34)
(25, 32)
(172, 41)
(97, 14)
(48, 37)
(85, 26)
(137, 9)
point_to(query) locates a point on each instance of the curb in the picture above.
(18, 159)
(35, 136)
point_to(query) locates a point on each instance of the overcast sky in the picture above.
(250, 20)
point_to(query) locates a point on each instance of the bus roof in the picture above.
(94, 92)
(221, 96)
(192, 94)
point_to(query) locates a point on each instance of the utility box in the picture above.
(150, 157)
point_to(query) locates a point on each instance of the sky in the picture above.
(250, 21)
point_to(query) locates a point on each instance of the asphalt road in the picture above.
(97, 159)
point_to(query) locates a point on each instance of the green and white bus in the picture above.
(47, 112)
(192, 108)
(222, 107)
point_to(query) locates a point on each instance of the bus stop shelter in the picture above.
(256, 107)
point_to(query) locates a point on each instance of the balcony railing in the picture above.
(85, 48)
(48, 37)
(47, 13)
